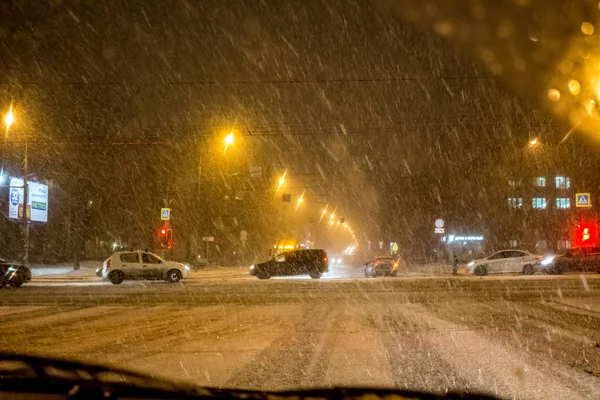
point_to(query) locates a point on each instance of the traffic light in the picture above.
(585, 234)
(163, 236)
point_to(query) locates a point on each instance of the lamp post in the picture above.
(229, 139)
(9, 119)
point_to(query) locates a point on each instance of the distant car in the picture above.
(582, 259)
(142, 265)
(13, 274)
(382, 266)
(506, 261)
(313, 262)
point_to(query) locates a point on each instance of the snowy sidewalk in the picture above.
(65, 271)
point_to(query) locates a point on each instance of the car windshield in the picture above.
(246, 142)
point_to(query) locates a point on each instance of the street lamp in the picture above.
(228, 141)
(534, 142)
(281, 180)
(300, 200)
(9, 119)
(323, 214)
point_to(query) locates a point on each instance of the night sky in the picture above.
(369, 111)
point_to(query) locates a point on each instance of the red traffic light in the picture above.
(162, 231)
(585, 234)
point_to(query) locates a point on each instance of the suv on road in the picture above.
(142, 265)
(581, 259)
(295, 262)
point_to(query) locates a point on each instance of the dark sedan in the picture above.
(13, 274)
(582, 259)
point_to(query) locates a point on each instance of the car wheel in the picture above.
(481, 270)
(314, 274)
(528, 269)
(174, 276)
(16, 281)
(116, 277)
(561, 268)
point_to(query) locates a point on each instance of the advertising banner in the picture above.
(37, 202)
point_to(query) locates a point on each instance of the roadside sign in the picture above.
(439, 230)
(37, 200)
(582, 200)
(165, 214)
(208, 238)
(439, 223)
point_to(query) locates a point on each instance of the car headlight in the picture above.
(252, 267)
(547, 260)
(187, 268)
(471, 264)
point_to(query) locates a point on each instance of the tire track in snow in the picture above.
(298, 360)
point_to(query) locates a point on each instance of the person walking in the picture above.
(455, 265)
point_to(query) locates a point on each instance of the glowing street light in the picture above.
(300, 200)
(9, 118)
(323, 214)
(281, 180)
(229, 139)
(534, 142)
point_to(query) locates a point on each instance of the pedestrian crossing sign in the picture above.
(582, 200)
(165, 214)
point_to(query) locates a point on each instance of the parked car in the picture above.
(142, 265)
(506, 261)
(313, 262)
(582, 259)
(13, 274)
(382, 266)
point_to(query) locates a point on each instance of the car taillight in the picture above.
(108, 263)
(325, 259)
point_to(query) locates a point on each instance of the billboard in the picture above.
(37, 202)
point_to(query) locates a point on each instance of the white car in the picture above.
(142, 265)
(506, 261)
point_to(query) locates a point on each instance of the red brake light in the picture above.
(108, 263)
(325, 259)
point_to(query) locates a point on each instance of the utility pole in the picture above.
(197, 212)
(25, 201)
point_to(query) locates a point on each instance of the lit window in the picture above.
(540, 181)
(539, 202)
(564, 244)
(563, 202)
(563, 182)
(515, 202)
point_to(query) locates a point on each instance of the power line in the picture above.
(209, 82)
